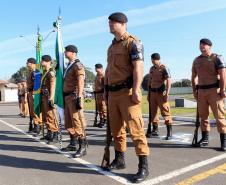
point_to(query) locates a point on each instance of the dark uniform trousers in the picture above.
(74, 119)
(123, 112)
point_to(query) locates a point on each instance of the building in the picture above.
(8, 91)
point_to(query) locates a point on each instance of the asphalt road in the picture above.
(24, 160)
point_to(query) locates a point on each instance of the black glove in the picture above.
(50, 104)
(78, 103)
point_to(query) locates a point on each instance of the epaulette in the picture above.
(79, 65)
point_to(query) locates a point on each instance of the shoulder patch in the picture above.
(137, 50)
(52, 73)
(220, 62)
(79, 65)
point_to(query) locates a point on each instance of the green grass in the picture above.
(175, 111)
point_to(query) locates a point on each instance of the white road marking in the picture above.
(180, 137)
(161, 178)
(79, 160)
(122, 180)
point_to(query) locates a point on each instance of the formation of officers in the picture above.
(118, 88)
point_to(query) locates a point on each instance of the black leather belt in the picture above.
(97, 92)
(215, 85)
(68, 93)
(162, 88)
(117, 87)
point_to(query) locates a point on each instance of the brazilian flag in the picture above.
(37, 77)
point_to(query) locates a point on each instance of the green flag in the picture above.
(59, 100)
(37, 77)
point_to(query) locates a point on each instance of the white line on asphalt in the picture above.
(181, 171)
(122, 180)
(79, 160)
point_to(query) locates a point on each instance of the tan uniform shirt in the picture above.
(158, 76)
(71, 77)
(121, 54)
(48, 78)
(30, 81)
(99, 82)
(206, 69)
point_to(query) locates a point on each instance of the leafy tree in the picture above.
(182, 83)
(90, 76)
(145, 84)
(20, 74)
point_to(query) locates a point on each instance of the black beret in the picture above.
(31, 60)
(46, 58)
(118, 17)
(206, 41)
(98, 66)
(155, 56)
(71, 48)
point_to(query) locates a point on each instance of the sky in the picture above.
(172, 28)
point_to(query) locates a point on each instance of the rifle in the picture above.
(105, 164)
(96, 111)
(197, 125)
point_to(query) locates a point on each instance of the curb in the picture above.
(175, 118)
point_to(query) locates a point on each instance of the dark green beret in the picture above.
(98, 66)
(31, 60)
(206, 41)
(46, 58)
(71, 48)
(118, 17)
(155, 56)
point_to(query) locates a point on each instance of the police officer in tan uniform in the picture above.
(99, 95)
(19, 92)
(30, 85)
(159, 88)
(48, 83)
(74, 77)
(123, 78)
(25, 111)
(208, 83)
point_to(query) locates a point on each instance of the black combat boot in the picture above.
(55, 137)
(72, 145)
(155, 131)
(48, 136)
(204, 141)
(102, 123)
(148, 134)
(36, 129)
(119, 161)
(82, 148)
(30, 129)
(142, 169)
(169, 132)
(223, 142)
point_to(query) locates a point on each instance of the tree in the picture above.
(20, 74)
(145, 84)
(182, 83)
(90, 76)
